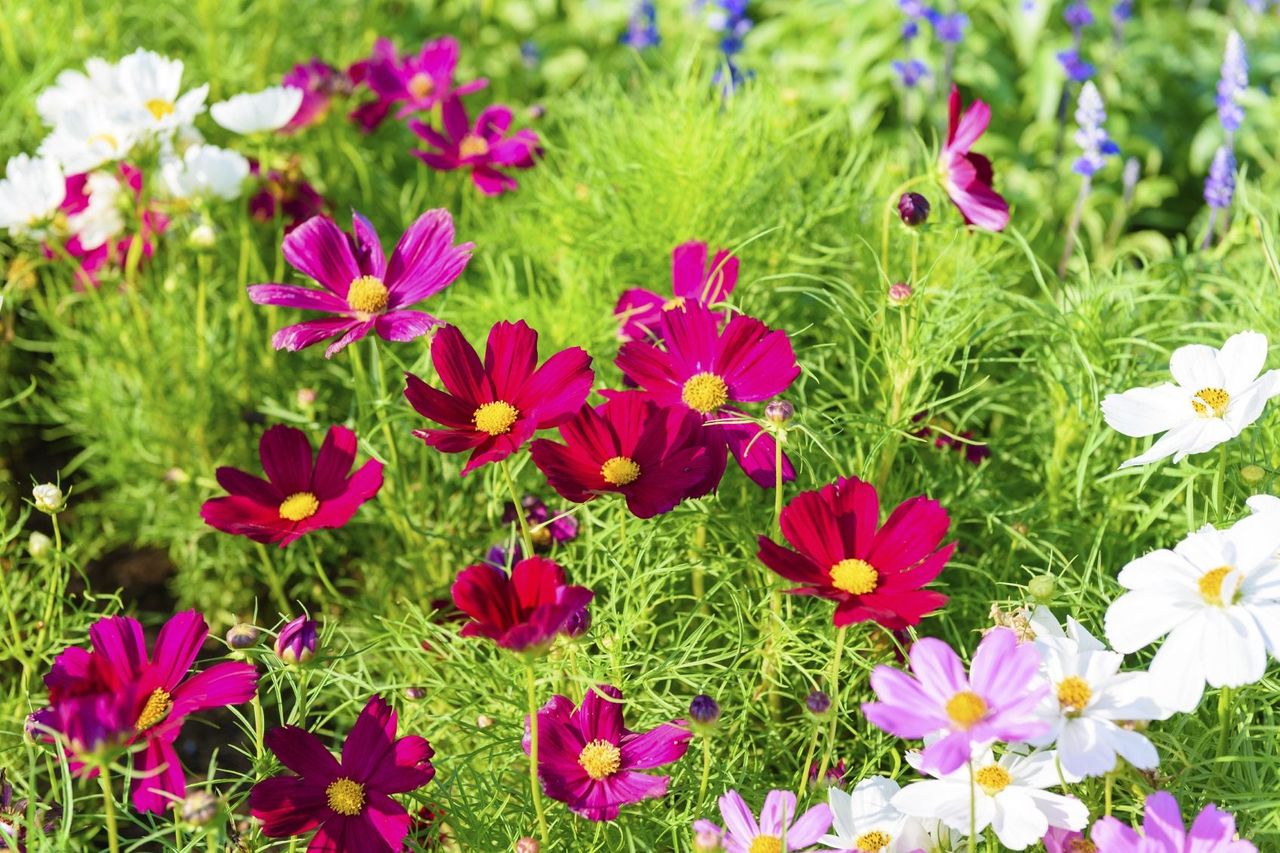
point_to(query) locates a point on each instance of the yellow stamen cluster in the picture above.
(1074, 693)
(966, 708)
(765, 844)
(1211, 402)
(367, 294)
(673, 303)
(1211, 586)
(346, 796)
(993, 779)
(299, 506)
(473, 146)
(620, 471)
(872, 842)
(854, 576)
(159, 108)
(421, 85)
(705, 392)
(158, 706)
(1081, 845)
(600, 759)
(495, 418)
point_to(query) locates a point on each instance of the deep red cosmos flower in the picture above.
(706, 369)
(151, 694)
(518, 612)
(588, 759)
(639, 311)
(654, 457)
(967, 177)
(297, 497)
(347, 801)
(873, 573)
(485, 149)
(492, 409)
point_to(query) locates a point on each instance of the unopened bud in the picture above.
(913, 209)
(483, 721)
(1043, 588)
(202, 236)
(39, 545)
(527, 845)
(578, 624)
(704, 712)
(706, 839)
(297, 641)
(818, 702)
(899, 294)
(198, 808)
(242, 635)
(306, 397)
(1253, 474)
(779, 412)
(414, 693)
(48, 498)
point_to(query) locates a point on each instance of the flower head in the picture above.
(1076, 68)
(30, 194)
(639, 311)
(1214, 831)
(73, 91)
(296, 642)
(258, 112)
(319, 83)
(484, 148)
(1220, 183)
(48, 498)
(1232, 84)
(85, 137)
(967, 177)
(948, 28)
(521, 611)
(417, 81)
(1091, 136)
(642, 26)
(910, 71)
(205, 171)
(149, 88)
(865, 820)
(777, 831)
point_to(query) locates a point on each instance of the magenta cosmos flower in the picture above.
(364, 289)
(417, 80)
(652, 456)
(298, 496)
(152, 694)
(347, 801)
(967, 177)
(492, 408)
(639, 311)
(778, 830)
(518, 612)
(588, 760)
(484, 148)
(872, 573)
(996, 701)
(706, 369)
(319, 82)
(1214, 831)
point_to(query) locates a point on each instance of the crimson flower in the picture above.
(873, 573)
(967, 177)
(518, 612)
(484, 148)
(640, 310)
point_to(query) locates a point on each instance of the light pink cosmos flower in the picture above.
(778, 829)
(1214, 831)
(967, 177)
(484, 148)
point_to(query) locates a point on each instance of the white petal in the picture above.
(1133, 747)
(1180, 440)
(1246, 406)
(1084, 749)
(1195, 367)
(1018, 823)
(1255, 538)
(1157, 567)
(1205, 435)
(1264, 503)
(1232, 649)
(944, 801)
(1062, 811)
(1177, 674)
(1140, 412)
(1139, 618)
(1241, 358)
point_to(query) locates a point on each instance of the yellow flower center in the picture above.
(872, 842)
(1074, 693)
(966, 708)
(673, 303)
(158, 706)
(159, 108)
(620, 471)
(1211, 586)
(299, 506)
(765, 844)
(367, 294)
(346, 796)
(421, 85)
(473, 146)
(495, 418)
(856, 577)
(1080, 845)
(993, 779)
(1210, 402)
(600, 759)
(705, 392)
(107, 138)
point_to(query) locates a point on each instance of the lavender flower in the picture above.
(913, 8)
(729, 18)
(948, 28)
(1121, 11)
(1095, 146)
(1077, 15)
(1220, 185)
(1233, 82)
(1076, 69)
(642, 26)
(910, 30)
(910, 72)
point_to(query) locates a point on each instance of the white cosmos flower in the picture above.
(204, 171)
(1090, 698)
(253, 112)
(73, 91)
(30, 194)
(150, 86)
(866, 821)
(1218, 393)
(1216, 596)
(101, 218)
(86, 137)
(1011, 798)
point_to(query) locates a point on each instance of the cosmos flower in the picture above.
(778, 830)
(590, 761)
(347, 800)
(865, 820)
(492, 408)
(1058, 840)
(521, 611)
(483, 148)
(30, 194)
(1213, 831)
(639, 311)
(1218, 393)
(74, 91)
(287, 193)
(996, 701)
(93, 206)
(86, 137)
(652, 456)
(366, 291)
(156, 693)
(966, 176)
(96, 237)
(150, 87)
(258, 112)
(873, 573)
(319, 83)
(204, 171)
(418, 81)
(706, 368)
(298, 496)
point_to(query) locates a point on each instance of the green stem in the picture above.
(888, 216)
(706, 768)
(834, 710)
(808, 761)
(109, 809)
(1106, 793)
(525, 535)
(973, 809)
(534, 787)
(778, 438)
(1224, 719)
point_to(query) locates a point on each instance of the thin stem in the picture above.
(808, 761)
(888, 216)
(534, 787)
(973, 809)
(1070, 244)
(834, 710)
(1106, 793)
(778, 438)
(525, 536)
(109, 809)
(706, 768)
(1224, 719)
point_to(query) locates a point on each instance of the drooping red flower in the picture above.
(298, 496)
(873, 573)
(518, 612)
(968, 177)
(150, 694)
(492, 408)
(348, 801)
(639, 311)
(654, 457)
(484, 149)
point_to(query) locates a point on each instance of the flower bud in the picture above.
(899, 294)
(1043, 588)
(48, 498)
(913, 209)
(704, 712)
(306, 397)
(578, 624)
(706, 839)
(818, 703)
(483, 721)
(39, 545)
(297, 641)
(779, 412)
(527, 845)
(202, 236)
(198, 808)
(242, 635)
(1252, 474)
(414, 693)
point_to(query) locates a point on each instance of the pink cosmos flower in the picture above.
(366, 291)
(419, 81)
(298, 496)
(653, 457)
(706, 369)
(873, 573)
(640, 311)
(967, 177)
(778, 831)
(485, 149)
(588, 759)
(96, 257)
(1059, 840)
(320, 82)
(996, 701)
(1214, 831)
(151, 695)
(348, 800)
(518, 612)
(492, 408)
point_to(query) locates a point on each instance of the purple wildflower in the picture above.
(1233, 82)
(1220, 185)
(642, 26)
(1092, 138)
(910, 72)
(1163, 831)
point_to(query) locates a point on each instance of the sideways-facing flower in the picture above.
(873, 573)
(865, 820)
(149, 89)
(910, 71)
(349, 800)
(640, 311)
(364, 289)
(299, 495)
(492, 408)
(996, 701)
(258, 112)
(30, 194)
(484, 149)
(967, 177)
(523, 611)
(1091, 136)
(286, 193)
(778, 830)
(1214, 831)
(319, 83)
(589, 760)
(204, 171)
(1218, 393)
(1074, 66)
(296, 642)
